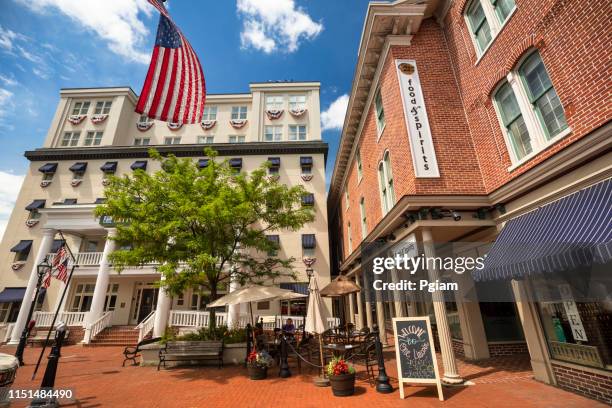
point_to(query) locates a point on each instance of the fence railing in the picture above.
(44, 319)
(196, 318)
(333, 322)
(145, 326)
(85, 258)
(96, 327)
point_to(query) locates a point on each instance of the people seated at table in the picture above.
(289, 327)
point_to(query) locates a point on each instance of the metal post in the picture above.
(48, 381)
(382, 381)
(249, 342)
(28, 326)
(284, 365)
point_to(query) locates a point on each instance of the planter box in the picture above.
(233, 354)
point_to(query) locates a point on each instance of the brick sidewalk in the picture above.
(98, 380)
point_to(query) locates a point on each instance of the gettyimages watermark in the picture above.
(407, 270)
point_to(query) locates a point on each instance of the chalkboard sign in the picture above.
(415, 353)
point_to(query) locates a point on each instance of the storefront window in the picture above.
(500, 319)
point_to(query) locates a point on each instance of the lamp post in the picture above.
(382, 381)
(42, 269)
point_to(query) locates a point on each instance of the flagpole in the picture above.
(59, 305)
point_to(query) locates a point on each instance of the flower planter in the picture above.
(257, 373)
(342, 385)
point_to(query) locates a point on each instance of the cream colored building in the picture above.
(96, 132)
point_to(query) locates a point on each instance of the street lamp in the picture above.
(41, 269)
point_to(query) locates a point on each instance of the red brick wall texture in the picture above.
(573, 40)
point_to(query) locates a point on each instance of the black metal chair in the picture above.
(366, 355)
(132, 352)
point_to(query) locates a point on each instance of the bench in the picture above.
(191, 351)
(40, 336)
(132, 352)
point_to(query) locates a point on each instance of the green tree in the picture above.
(203, 226)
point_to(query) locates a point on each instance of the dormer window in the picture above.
(80, 108)
(103, 107)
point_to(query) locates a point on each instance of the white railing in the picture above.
(272, 322)
(96, 327)
(195, 318)
(85, 258)
(44, 319)
(9, 331)
(146, 326)
(333, 322)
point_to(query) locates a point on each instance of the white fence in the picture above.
(195, 318)
(44, 319)
(85, 258)
(96, 327)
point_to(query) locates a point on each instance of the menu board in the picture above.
(415, 353)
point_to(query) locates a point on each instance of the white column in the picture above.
(97, 302)
(233, 311)
(162, 311)
(43, 250)
(360, 321)
(351, 308)
(449, 363)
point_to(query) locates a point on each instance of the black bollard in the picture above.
(249, 341)
(48, 381)
(382, 381)
(284, 365)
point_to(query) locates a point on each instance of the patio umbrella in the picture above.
(340, 287)
(316, 316)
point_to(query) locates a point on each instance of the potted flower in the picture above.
(258, 364)
(341, 377)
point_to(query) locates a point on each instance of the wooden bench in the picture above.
(191, 351)
(40, 336)
(132, 352)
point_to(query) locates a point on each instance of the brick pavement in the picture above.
(98, 380)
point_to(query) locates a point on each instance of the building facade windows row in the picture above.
(81, 108)
(385, 182)
(485, 19)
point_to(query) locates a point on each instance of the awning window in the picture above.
(109, 167)
(139, 165)
(305, 161)
(308, 199)
(78, 167)
(202, 163)
(10, 295)
(48, 168)
(236, 163)
(36, 205)
(308, 241)
(275, 161)
(297, 287)
(574, 231)
(23, 247)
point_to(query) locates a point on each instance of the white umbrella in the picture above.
(255, 293)
(316, 316)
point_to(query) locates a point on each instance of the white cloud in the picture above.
(10, 184)
(333, 117)
(275, 25)
(9, 37)
(8, 80)
(6, 101)
(115, 21)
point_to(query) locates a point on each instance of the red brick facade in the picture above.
(589, 384)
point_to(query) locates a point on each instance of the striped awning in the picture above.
(79, 167)
(574, 231)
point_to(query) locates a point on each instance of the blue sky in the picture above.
(46, 45)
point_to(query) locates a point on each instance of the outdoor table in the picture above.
(8, 369)
(340, 350)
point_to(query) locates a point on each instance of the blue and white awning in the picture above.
(574, 231)
(9, 295)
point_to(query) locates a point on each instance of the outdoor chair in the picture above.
(366, 355)
(132, 352)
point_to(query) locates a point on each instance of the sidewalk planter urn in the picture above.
(257, 373)
(342, 385)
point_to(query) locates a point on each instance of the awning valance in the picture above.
(22, 246)
(139, 164)
(202, 163)
(236, 163)
(309, 241)
(36, 205)
(48, 168)
(9, 295)
(297, 287)
(78, 167)
(305, 161)
(274, 161)
(574, 231)
(109, 167)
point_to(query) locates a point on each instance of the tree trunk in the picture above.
(213, 297)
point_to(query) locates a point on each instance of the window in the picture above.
(513, 122)
(103, 107)
(80, 108)
(210, 113)
(297, 132)
(274, 102)
(93, 139)
(479, 26)
(236, 139)
(70, 139)
(206, 139)
(347, 200)
(110, 302)
(265, 305)
(22, 250)
(297, 102)
(275, 240)
(306, 165)
(380, 112)
(274, 168)
(83, 295)
(142, 141)
(239, 112)
(172, 140)
(503, 8)
(359, 166)
(180, 299)
(350, 238)
(528, 109)
(273, 133)
(385, 180)
(542, 95)
(144, 120)
(309, 244)
(364, 221)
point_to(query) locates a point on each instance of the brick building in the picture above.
(470, 120)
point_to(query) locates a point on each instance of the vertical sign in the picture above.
(572, 313)
(419, 134)
(415, 353)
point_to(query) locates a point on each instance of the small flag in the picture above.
(62, 271)
(174, 89)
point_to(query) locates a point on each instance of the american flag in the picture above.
(174, 89)
(59, 266)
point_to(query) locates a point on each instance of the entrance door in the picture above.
(148, 299)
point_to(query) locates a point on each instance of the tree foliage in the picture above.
(203, 226)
